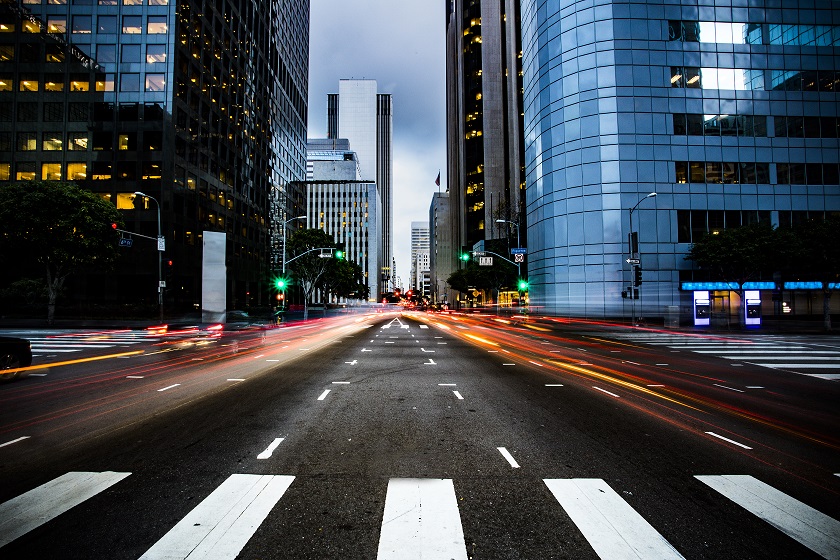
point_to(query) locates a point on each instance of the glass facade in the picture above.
(201, 106)
(728, 112)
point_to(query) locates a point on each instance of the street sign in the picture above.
(161, 243)
(634, 261)
(478, 253)
(519, 257)
(485, 261)
(126, 242)
(519, 251)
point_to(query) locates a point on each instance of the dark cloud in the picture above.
(401, 45)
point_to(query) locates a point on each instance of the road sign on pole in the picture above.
(519, 257)
(519, 251)
(485, 261)
(633, 261)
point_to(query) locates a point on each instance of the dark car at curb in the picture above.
(15, 353)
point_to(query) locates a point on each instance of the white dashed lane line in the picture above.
(506, 454)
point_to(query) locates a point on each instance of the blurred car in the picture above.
(14, 353)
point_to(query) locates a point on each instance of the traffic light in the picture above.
(339, 254)
(523, 285)
(281, 284)
(637, 276)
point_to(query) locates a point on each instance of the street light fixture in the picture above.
(284, 240)
(161, 247)
(633, 242)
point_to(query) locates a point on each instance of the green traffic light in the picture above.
(281, 283)
(339, 254)
(465, 257)
(523, 285)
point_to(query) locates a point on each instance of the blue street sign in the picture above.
(519, 251)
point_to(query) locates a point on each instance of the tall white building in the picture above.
(363, 116)
(419, 244)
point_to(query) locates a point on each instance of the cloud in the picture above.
(401, 45)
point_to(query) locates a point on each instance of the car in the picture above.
(14, 353)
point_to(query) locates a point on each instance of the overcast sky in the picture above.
(401, 45)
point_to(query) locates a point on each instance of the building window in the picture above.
(6, 83)
(156, 25)
(57, 24)
(155, 82)
(685, 77)
(130, 53)
(78, 112)
(102, 171)
(82, 24)
(29, 83)
(106, 84)
(25, 171)
(54, 53)
(31, 27)
(125, 201)
(79, 83)
(132, 2)
(5, 171)
(807, 174)
(77, 141)
(53, 82)
(728, 173)
(27, 141)
(51, 172)
(77, 171)
(130, 82)
(106, 53)
(7, 53)
(53, 141)
(106, 24)
(132, 25)
(27, 112)
(155, 53)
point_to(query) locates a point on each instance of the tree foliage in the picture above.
(60, 226)
(737, 254)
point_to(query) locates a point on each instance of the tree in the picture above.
(306, 263)
(483, 278)
(345, 279)
(738, 255)
(817, 256)
(60, 226)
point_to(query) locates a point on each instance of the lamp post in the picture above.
(284, 240)
(518, 241)
(161, 247)
(634, 246)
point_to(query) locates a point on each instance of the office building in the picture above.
(419, 244)
(729, 113)
(443, 253)
(200, 106)
(365, 117)
(327, 158)
(485, 161)
(422, 276)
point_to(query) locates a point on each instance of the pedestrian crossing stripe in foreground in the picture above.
(421, 517)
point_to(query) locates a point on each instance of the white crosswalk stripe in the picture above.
(421, 517)
(46, 343)
(770, 351)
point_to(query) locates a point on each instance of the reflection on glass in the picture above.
(753, 33)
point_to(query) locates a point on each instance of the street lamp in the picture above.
(633, 241)
(284, 240)
(518, 242)
(161, 247)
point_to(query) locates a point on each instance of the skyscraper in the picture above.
(484, 115)
(201, 106)
(419, 244)
(729, 114)
(364, 117)
(442, 251)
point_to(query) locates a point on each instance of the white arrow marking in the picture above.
(431, 362)
(353, 363)
(424, 350)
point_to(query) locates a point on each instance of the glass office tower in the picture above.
(728, 112)
(201, 106)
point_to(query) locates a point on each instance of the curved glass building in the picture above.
(726, 109)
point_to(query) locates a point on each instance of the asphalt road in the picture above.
(421, 436)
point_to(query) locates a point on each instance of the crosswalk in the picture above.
(62, 343)
(812, 357)
(421, 517)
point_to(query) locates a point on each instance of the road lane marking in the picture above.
(799, 521)
(754, 387)
(553, 385)
(508, 364)
(535, 363)
(431, 362)
(424, 326)
(366, 350)
(442, 343)
(46, 502)
(421, 519)
(170, 387)
(612, 527)
(662, 364)
(733, 442)
(270, 449)
(221, 525)
(458, 395)
(506, 454)
(725, 387)
(272, 360)
(605, 391)
(14, 441)
(447, 385)
(493, 351)
(390, 342)
(353, 363)
(134, 376)
(260, 356)
(424, 350)
(656, 385)
(341, 383)
(38, 375)
(324, 394)
(235, 379)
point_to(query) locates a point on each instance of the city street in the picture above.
(416, 435)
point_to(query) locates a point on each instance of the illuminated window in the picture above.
(78, 83)
(125, 201)
(155, 53)
(25, 171)
(31, 27)
(27, 141)
(155, 82)
(77, 141)
(122, 142)
(53, 141)
(132, 25)
(156, 25)
(106, 84)
(5, 171)
(77, 171)
(54, 53)
(51, 172)
(132, 2)
(57, 24)
(7, 53)
(28, 83)
(57, 2)
(7, 27)
(6, 83)
(54, 82)
(102, 171)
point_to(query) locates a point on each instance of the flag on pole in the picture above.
(437, 181)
